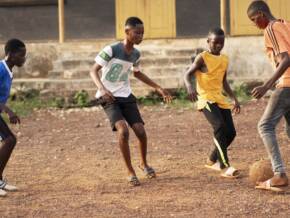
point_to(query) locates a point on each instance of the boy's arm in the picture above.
(145, 79)
(284, 58)
(14, 119)
(94, 73)
(228, 90)
(197, 64)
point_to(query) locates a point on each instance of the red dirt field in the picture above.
(68, 164)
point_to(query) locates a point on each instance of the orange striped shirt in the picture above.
(277, 41)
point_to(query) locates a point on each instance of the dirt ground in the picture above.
(68, 164)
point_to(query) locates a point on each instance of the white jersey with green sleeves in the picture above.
(116, 67)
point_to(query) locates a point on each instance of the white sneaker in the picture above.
(2, 193)
(7, 187)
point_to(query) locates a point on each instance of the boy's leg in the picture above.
(287, 125)
(123, 137)
(277, 107)
(213, 157)
(8, 144)
(6, 149)
(140, 132)
(213, 114)
(275, 110)
(231, 131)
(5, 152)
(141, 135)
(119, 124)
(132, 115)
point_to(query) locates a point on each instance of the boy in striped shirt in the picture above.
(277, 44)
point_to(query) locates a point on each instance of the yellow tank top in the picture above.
(209, 85)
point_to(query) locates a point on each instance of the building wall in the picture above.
(89, 19)
(196, 17)
(84, 20)
(245, 63)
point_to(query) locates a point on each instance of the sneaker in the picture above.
(7, 187)
(2, 193)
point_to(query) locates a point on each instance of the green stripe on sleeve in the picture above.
(105, 56)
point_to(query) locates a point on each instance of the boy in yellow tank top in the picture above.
(209, 68)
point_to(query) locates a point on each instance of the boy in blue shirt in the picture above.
(15, 55)
(116, 62)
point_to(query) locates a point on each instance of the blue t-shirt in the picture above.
(6, 77)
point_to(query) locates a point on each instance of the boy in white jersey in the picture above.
(117, 61)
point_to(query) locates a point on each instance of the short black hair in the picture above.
(216, 31)
(258, 5)
(13, 45)
(133, 21)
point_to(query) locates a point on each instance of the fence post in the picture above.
(223, 13)
(61, 24)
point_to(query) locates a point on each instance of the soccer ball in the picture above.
(260, 171)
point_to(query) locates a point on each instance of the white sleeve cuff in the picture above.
(100, 61)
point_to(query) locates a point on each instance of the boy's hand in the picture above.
(192, 94)
(165, 95)
(259, 91)
(107, 95)
(237, 107)
(14, 119)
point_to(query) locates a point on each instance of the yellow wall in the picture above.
(158, 16)
(240, 23)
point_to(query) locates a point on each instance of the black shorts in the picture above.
(123, 108)
(5, 132)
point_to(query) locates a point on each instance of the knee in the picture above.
(11, 140)
(123, 132)
(265, 127)
(232, 134)
(224, 132)
(140, 131)
(221, 129)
